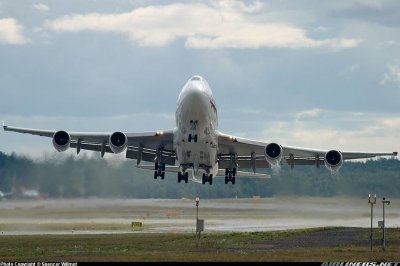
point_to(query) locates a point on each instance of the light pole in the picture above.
(372, 201)
(199, 222)
(383, 225)
(197, 208)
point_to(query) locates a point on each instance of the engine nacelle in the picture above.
(118, 142)
(333, 160)
(273, 153)
(61, 140)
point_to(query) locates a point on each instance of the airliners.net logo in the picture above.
(360, 264)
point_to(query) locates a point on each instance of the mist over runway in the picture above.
(102, 216)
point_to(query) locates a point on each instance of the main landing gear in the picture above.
(183, 176)
(230, 174)
(159, 170)
(207, 178)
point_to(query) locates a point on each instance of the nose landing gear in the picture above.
(192, 137)
(193, 128)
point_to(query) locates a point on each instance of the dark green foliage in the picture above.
(95, 177)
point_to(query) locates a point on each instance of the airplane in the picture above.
(30, 193)
(6, 195)
(23, 193)
(195, 145)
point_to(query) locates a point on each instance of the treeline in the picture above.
(83, 176)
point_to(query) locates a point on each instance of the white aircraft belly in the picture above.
(203, 152)
(198, 154)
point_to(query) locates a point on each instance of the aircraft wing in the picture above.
(251, 154)
(141, 146)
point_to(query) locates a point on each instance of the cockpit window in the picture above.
(196, 78)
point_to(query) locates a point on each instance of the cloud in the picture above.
(41, 7)
(392, 43)
(392, 74)
(238, 5)
(321, 29)
(376, 4)
(11, 32)
(350, 70)
(309, 113)
(223, 24)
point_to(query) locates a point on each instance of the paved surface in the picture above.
(92, 216)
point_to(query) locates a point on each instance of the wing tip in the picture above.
(395, 153)
(4, 124)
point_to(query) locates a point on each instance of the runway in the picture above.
(113, 216)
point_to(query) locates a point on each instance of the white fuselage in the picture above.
(195, 139)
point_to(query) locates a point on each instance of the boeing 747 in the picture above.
(195, 146)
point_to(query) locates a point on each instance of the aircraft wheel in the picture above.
(186, 177)
(179, 177)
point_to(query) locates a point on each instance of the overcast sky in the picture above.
(318, 74)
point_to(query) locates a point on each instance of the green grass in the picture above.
(182, 247)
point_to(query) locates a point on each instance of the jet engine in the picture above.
(118, 142)
(333, 160)
(61, 141)
(273, 153)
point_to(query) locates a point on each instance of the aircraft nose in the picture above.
(195, 89)
(195, 98)
(196, 93)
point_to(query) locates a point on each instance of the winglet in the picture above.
(4, 126)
